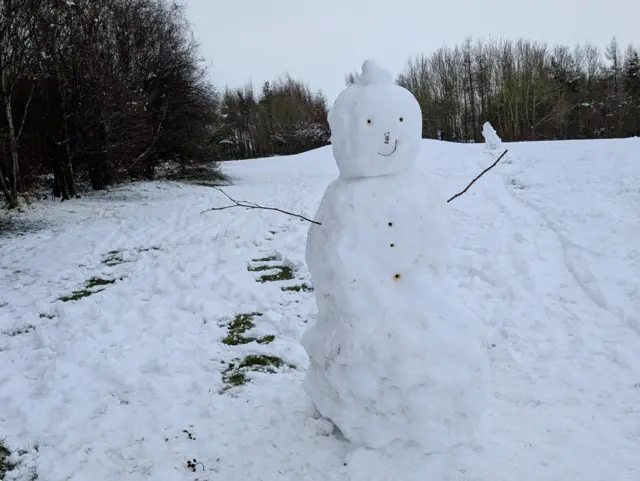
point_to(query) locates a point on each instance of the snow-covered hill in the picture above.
(137, 334)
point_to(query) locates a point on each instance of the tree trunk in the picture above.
(59, 188)
(5, 189)
(11, 191)
(69, 180)
(67, 164)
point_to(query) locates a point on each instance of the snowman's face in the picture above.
(379, 132)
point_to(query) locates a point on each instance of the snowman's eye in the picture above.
(401, 119)
(368, 121)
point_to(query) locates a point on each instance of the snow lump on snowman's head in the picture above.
(376, 126)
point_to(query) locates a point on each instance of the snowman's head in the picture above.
(376, 126)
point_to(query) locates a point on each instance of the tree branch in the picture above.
(251, 205)
(26, 109)
(479, 175)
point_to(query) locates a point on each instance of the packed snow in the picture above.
(491, 139)
(133, 381)
(396, 363)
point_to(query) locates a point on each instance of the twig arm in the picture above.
(251, 205)
(479, 175)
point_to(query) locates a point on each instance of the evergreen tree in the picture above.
(632, 84)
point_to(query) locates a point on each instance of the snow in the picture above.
(395, 361)
(491, 139)
(546, 251)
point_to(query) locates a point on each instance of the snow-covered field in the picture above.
(156, 368)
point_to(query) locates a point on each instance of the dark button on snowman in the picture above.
(394, 358)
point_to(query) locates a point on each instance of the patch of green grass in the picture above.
(5, 465)
(77, 295)
(259, 268)
(266, 339)
(236, 375)
(261, 362)
(87, 291)
(115, 257)
(241, 324)
(236, 379)
(22, 330)
(266, 259)
(298, 288)
(112, 258)
(147, 249)
(98, 281)
(285, 274)
(232, 377)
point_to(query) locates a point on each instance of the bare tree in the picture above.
(527, 90)
(16, 31)
(119, 84)
(287, 118)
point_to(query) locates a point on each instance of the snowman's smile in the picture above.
(395, 146)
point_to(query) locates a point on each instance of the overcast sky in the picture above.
(319, 41)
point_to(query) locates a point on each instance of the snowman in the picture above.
(394, 358)
(491, 139)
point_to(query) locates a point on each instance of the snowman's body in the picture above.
(393, 358)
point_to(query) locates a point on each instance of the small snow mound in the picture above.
(491, 139)
(373, 74)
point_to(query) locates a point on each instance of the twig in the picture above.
(251, 205)
(479, 175)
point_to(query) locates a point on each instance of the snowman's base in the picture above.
(324, 426)
(311, 410)
(401, 462)
(378, 397)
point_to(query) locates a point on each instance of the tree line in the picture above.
(95, 92)
(285, 117)
(527, 90)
